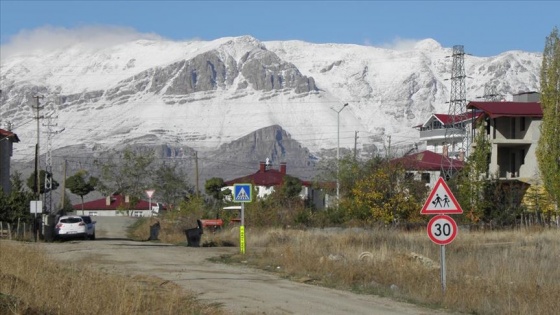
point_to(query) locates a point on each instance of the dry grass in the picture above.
(511, 272)
(507, 272)
(30, 283)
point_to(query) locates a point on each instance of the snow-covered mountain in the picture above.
(204, 94)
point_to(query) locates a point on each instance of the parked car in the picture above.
(75, 226)
(90, 226)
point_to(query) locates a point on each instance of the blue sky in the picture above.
(485, 28)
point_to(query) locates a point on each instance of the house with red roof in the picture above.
(7, 139)
(267, 178)
(513, 130)
(113, 206)
(426, 166)
(444, 133)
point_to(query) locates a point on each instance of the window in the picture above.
(522, 124)
(425, 178)
(522, 156)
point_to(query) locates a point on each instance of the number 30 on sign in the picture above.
(442, 229)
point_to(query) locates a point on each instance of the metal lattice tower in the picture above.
(457, 139)
(491, 93)
(48, 163)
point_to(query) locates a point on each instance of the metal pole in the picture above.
(442, 262)
(242, 230)
(338, 154)
(338, 157)
(242, 214)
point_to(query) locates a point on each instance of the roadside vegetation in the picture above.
(30, 283)
(488, 272)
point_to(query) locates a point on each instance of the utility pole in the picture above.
(37, 178)
(491, 93)
(355, 144)
(47, 196)
(338, 154)
(196, 169)
(388, 153)
(62, 196)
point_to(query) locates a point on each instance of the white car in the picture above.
(74, 226)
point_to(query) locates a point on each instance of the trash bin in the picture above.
(154, 232)
(193, 235)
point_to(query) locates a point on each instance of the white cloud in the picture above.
(400, 44)
(50, 37)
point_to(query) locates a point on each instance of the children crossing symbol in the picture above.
(242, 193)
(441, 200)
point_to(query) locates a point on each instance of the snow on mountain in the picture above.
(203, 94)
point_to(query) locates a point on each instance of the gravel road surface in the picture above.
(241, 290)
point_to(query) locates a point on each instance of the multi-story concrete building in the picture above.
(7, 138)
(513, 130)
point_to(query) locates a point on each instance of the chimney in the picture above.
(283, 167)
(108, 201)
(262, 167)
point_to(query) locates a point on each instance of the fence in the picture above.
(19, 230)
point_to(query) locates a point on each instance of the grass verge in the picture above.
(30, 283)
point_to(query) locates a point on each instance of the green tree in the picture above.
(385, 195)
(32, 180)
(213, 187)
(473, 178)
(548, 149)
(171, 184)
(14, 206)
(128, 173)
(66, 205)
(81, 184)
(291, 187)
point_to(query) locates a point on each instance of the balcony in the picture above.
(441, 133)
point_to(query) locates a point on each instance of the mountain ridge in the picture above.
(202, 94)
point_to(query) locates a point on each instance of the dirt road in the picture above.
(241, 290)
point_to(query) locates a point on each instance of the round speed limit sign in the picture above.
(442, 229)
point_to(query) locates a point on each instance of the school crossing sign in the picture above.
(441, 200)
(242, 193)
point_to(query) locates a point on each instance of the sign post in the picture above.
(242, 193)
(442, 229)
(150, 193)
(35, 206)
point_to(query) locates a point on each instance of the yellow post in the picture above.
(242, 239)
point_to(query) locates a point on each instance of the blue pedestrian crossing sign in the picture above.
(242, 193)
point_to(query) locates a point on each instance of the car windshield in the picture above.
(71, 220)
